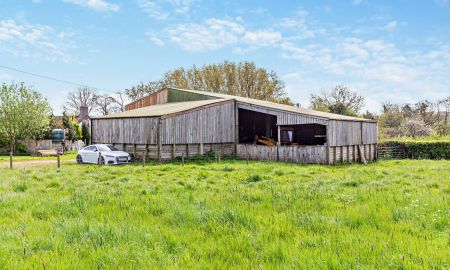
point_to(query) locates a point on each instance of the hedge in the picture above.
(422, 149)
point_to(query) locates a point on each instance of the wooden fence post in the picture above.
(59, 160)
(10, 160)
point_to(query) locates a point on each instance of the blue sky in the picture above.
(386, 50)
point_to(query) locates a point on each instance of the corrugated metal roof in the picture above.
(162, 109)
(176, 107)
(278, 106)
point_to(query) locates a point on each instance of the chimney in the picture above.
(84, 113)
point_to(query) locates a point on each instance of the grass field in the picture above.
(228, 215)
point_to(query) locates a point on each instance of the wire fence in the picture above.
(391, 152)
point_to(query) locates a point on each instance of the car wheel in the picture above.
(79, 159)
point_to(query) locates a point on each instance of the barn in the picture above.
(173, 122)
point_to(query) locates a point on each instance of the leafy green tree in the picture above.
(243, 79)
(86, 134)
(24, 113)
(77, 131)
(68, 126)
(340, 100)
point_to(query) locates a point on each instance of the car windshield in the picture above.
(107, 148)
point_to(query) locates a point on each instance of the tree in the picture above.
(240, 79)
(83, 96)
(86, 134)
(78, 135)
(53, 124)
(340, 100)
(415, 128)
(104, 104)
(24, 113)
(139, 91)
(68, 126)
(120, 100)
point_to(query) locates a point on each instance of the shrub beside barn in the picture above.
(174, 122)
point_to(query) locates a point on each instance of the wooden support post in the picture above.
(200, 148)
(279, 135)
(342, 153)
(182, 159)
(376, 151)
(348, 153)
(159, 141)
(99, 158)
(187, 150)
(134, 151)
(144, 157)
(173, 151)
(327, 152)
(58, 160)
(11, 160)
(146, 151)
(365, 152)
(355, 154)
(334, 154)
(236, 128)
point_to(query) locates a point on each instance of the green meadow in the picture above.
(227, 215)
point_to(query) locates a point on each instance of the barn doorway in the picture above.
(253, 125)
(304, 134)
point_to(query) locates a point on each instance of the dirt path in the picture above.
(34, 163)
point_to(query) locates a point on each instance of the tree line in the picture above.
(25, 113)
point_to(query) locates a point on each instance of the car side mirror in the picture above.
(95, 150)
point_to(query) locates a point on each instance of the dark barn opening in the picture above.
(252, 124)
(305, 134)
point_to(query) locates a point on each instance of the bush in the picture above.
(422, 149)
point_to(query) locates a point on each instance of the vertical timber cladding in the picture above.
(142, 130)
(354, 134)
(159, 97)
(208, 124)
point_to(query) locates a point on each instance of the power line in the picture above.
(50, 78)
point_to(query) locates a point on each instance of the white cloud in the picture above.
(441, 2)
(100, 5)
(4, 77)
(154, 38)
(214, 34)
(217, 33)
(154, 10)
(262, 38)
(163, 9)
(33, 41)
(390, 26)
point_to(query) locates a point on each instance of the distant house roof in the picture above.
(176, 107)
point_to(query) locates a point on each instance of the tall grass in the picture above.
(390, 214)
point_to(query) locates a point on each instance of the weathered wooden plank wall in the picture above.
(175, 95)
(350, 153)
(152, 99)
(370, 133)
(209, 125)
(343, 133)
(125, 130)
(297, 154)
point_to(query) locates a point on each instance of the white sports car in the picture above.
(103, 153)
